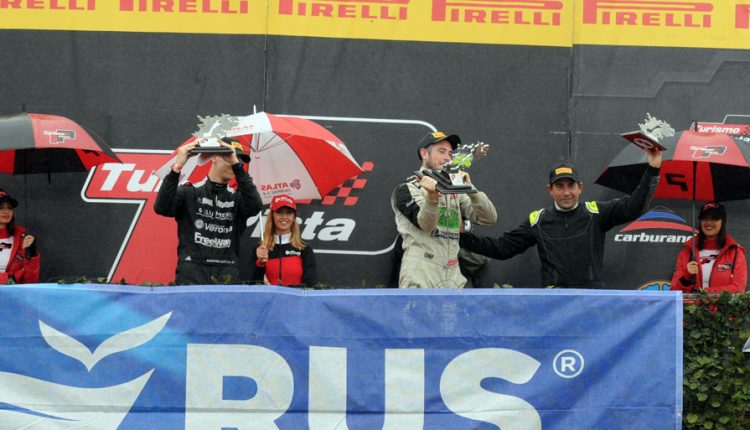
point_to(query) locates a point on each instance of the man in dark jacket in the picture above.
(569, 236)
(210, 215)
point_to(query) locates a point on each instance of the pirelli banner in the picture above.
(706, 23)
(212, 358)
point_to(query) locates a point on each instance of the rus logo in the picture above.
(46, 404)
(649, 13)
(518, 12)
(460, 387)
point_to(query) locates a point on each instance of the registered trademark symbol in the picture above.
(568, 363)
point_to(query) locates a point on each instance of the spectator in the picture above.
(281, 258)
(430, 222)
(569, 235)
(19, 259)
(210, 215)
(722, 267)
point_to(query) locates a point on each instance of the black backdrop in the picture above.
(534, 105)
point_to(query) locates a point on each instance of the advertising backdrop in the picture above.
(539, 80)
(255, 357)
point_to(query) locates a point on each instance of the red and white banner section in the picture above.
(122, 357)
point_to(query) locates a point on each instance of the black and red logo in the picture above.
(60, 136)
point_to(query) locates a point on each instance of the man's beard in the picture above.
(435, 166)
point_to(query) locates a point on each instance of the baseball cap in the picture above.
(240, 149)
(435, 137)
(5, 197)
(281, 201)
(563, 170)
(713, 210)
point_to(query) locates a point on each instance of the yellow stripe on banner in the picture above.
(157, 16)
(673, 23)
(516, 22)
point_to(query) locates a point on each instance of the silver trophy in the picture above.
(212, 130)
(466, 154)
(449, 179)
(651, 132)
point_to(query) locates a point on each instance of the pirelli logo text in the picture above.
(363, 9)
(226, 7)
(742, 16)
(651, 13)
(515, 12)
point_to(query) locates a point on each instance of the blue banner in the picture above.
(236, 357)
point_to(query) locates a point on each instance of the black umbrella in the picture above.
(39, 143)
(696, 166)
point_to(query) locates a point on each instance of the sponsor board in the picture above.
(737, 125)
(649, 246)
(707, 23)
(700, 24)
(103, 357)
(352, 220)
(656, 285)
(730, 129)
(525, 22)
(659, 225)
(178, 16)
(148, 249)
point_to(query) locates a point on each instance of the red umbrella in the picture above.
(696, 166)
(702, 166)
(39, 143)
(294, 156)
(290, 155)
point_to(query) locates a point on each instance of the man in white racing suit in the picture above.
(430, 222)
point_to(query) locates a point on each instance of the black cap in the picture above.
(435, 137)
(563, 170)
(5, 197)
(713, 210)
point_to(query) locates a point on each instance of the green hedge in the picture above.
(716, 371)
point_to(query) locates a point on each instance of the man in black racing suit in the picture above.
(569, 236)
(210, 216)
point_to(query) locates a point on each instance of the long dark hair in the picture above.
(721, 238)
(12, 224)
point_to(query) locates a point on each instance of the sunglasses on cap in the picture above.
(710, 205)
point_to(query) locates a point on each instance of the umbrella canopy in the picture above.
(289, 155)
(697, 166)
(39, 143)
